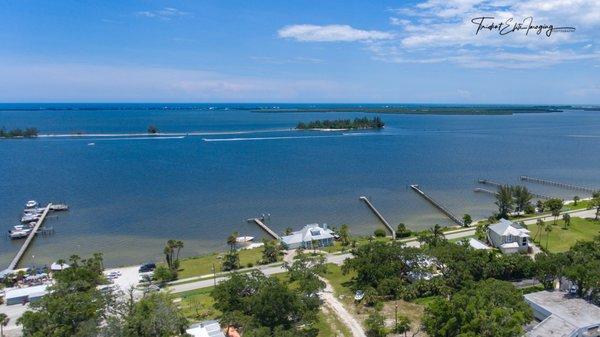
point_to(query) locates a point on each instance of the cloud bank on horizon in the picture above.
(412, 51)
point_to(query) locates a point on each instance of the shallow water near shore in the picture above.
(128, 195)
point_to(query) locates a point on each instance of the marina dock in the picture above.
(15, 261)
(557, 184)
(497, 184)
(437, 205)
(265, 228)
(379, 216)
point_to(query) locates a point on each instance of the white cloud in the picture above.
(442, 31)
(331, 33)
(166, 13)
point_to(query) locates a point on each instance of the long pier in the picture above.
(438, 205)
(557, 184)
(15, 261)
(496, 184)
(265, 228)
(379, 216)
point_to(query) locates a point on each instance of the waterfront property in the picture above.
(561, 314)
(310, 236)
(508, 236)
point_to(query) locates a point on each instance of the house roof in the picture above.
(567, 313)
(206, 329)
(505, 227)
(27, 291)
(478, 244)
(307, 234)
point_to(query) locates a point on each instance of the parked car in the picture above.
(146, 267)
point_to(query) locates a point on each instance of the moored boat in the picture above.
(31, 204)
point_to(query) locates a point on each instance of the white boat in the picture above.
(91, 144)
(31, 204)
(19, 234)
(30, 218)
(36, 210)
(243, 239)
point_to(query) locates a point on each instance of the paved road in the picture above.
(587, 213)
(178, 288)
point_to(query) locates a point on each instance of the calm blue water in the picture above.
(128, 195)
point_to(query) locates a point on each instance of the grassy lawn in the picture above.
(201, 265)
(197, 305)
(340, 282)
(560, 239)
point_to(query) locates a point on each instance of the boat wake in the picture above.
(136, 138)
(241, 139)
(264, 138)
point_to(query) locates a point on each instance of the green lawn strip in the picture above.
(560, 239)
(197, 305)
(202, 265)
(340, 282)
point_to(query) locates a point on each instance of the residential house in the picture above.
(311, 234)
(508, 236)
(562, 314)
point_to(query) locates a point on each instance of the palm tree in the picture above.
(548, 229)
(3, 322)
(168, 251)
(288, 231)
(567, 220)
(437, 233)
(576, 200)
(504, 201)
(179, 246)
(540, 225)
(232, 240)
(522, 197)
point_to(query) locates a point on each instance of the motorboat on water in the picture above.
(27, 218)
(19, 231)
(37, 210)
(244, 239)
(31, 204)
(19, 234)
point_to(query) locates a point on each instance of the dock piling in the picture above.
(15, 261)
(437, 205)
(557, 184)
(379, 216)
(265, 228)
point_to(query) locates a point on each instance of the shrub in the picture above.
(379, 232)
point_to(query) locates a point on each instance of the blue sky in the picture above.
(296, 51)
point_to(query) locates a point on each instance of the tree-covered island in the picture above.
(18, 133)
(343, 124)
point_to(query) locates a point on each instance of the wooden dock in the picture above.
(15, 261)
(557, 184)
(379, 216)
(496, 184)
(437, 205)
(265, 228)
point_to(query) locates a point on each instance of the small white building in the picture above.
(206, 329)
(309, 234)
(508, 236)
(28, 294)
(563, 315)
